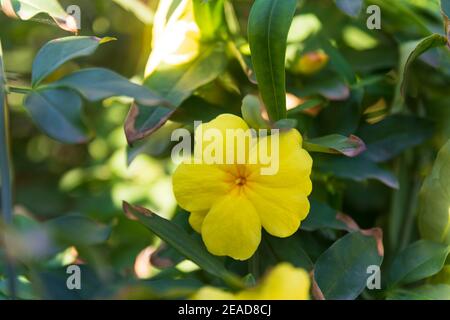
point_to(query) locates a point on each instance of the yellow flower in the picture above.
(175, 40)
(284, 282)
(230, 203)
(311, 62)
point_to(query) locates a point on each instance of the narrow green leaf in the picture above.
(57, 52)
(418, 261)
(268, 29)
(410, 51)
(27, 9)
(336, 144)
(58, 113)
(96, 84)
(341, 272)
(176, 237)
(434, 200)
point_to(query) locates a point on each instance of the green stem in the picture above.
(5, 173)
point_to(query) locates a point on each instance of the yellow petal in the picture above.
(294, 163)
(284, 282)
(280, 209)
(198, 186)
(196, 219)
(227, 134)
(232, 227)
(210, 293)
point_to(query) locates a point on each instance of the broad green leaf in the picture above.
(426, 292)
(251, 113)
(358, 169)
(418, 261)
(410, 51)
(268, 28)
(176, 237)
(57, 52)
(388, 138)
(27, 9)
(175, 84)
(138, 8)
(58, 113)
(290, 250)
(322, 216)
(77, 230)
(341, 271)
(96, 84)
(434, 200)
(336, 144)
(209, 16)
(350, 7)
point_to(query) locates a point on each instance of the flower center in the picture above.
(240, 181)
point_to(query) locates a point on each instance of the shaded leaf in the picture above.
(290, 250)
(336, 144)
(58, 113)
(268, 28)
(357, 169)
(322, 216)
(418, 261)
(341, 271)
(57, 52)
(209, 16)
(175, 236)
(27, 9)
(434, 200)
(96, 84)
(77, 230)
(426, 292)
(350, 7)
(388, 138)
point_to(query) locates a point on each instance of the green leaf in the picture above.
(426, 292)
(285, 124)
(251, 112)
(57, 52)
(58, 113)
(350, 7)
(209, 16)
(410, 51)
(358, 169)
(341, 271)
(322, 216)
(336, 144)
(140, 10)
(418, 261)
(434, 200)
(77, 230)
(445, 7)
(290, 250)
(268, 28)
(27, 9)
(175, 84)
(390, 137)
(176, 237)
(96, 84)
